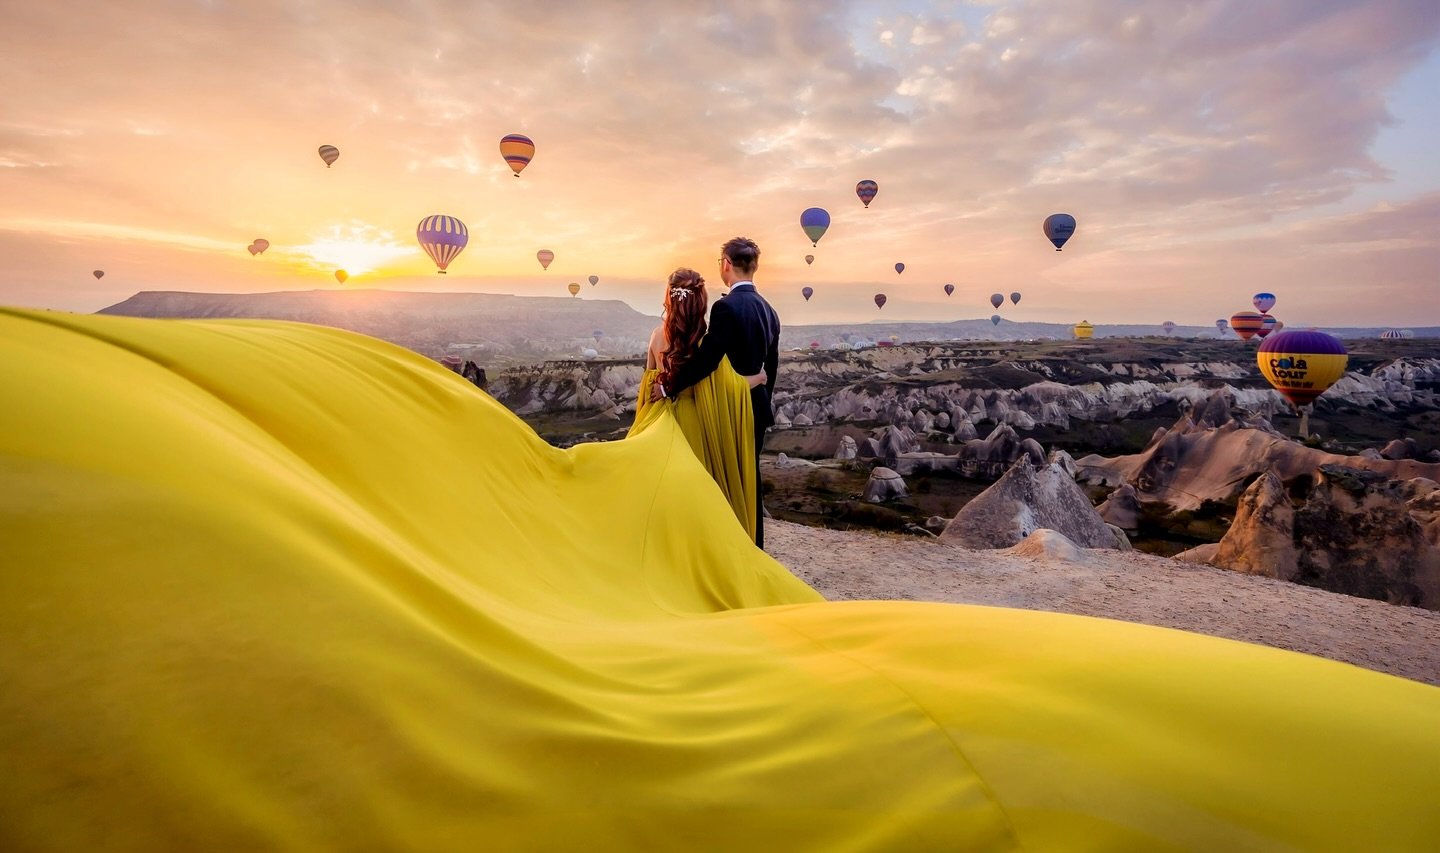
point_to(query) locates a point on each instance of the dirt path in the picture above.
(1130, 586)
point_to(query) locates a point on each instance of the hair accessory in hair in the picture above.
(679, 293)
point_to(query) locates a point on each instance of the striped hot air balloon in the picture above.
(443, 238)
(518, 151)
(544, 256)
(1246, 323)
(1083, 330)
(329, 153)
(1168, 326)
(866, 190)
(1397, 334)
(594, 280)
(1301, 365)
(1267, 325)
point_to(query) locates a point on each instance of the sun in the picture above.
(357, 248)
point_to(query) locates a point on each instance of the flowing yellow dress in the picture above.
(275, 586)
(717, 419)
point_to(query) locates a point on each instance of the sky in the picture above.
(1208, 150)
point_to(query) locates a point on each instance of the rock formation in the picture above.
(847, 449)
(883, 485)
(1046, 544)
(1027, 499)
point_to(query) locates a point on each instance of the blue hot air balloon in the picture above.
(1263, 302)
(442, 237)
(995, 319)
(1058, 228)
(899, 268)
(807, 292)
(814, 221)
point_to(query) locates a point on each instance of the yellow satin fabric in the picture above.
(267, 585)
(717, 419)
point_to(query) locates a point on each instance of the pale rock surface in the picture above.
(847, 448)
(1023, 501)
(1047, 544)
(884, 484)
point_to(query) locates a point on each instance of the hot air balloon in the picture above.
(809, 259)
(899, 268)
(573, 287)
(588, 353)
(1396, 334)
(443, 238)
(997, 300)
(867, 190)
(1246, 323)
(261, 244)
(814, 221)
(518, 151)
(597, 334)
(329, 153)
(1267, 325)
(1015, 298)
(545, 256)
(1263, 302)
(1221, 326)
(814, 345)
(879, 300)
(949, 289)
(1083, 330)
(1301, 365)
(1279, 326)
(1168, 326)
(99, 274)
(252, 250)
(994, 319)
(341, 275)
(594, 280)
(807, 292)
(1058, 228)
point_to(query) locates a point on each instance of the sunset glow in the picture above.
(1207, 151)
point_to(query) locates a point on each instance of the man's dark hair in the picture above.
(744, 255)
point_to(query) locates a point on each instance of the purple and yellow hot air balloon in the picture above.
(1058, 228)
(996, 300)
(574, 288)
(949, 289)
(1263, 302)
(544, 256)
(442, 237)
(899, 268)
(809, 259)
(1246, 323)
(1267, 325)
(814, 221)
(1301, 365)
(518, 151)
(807, 292)
(329, 153)
(879, 300)
(866, 190)
(594, 280)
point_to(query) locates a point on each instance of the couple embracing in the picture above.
(717, 382)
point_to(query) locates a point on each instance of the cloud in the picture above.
(665, 128)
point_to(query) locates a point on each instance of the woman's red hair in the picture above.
(685, 305)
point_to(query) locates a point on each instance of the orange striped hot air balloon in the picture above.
(518, 151)
(545, 257)
(329, 153)
(1247, 323)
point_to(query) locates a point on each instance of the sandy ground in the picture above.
(1130, 586)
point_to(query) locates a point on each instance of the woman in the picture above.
(715, 415)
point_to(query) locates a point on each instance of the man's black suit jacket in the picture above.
(744, 327)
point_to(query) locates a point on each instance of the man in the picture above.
(744, 327)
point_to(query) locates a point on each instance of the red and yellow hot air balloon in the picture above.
(1247, 323)
(518, 151)
(1301, 365)
(574, 288)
